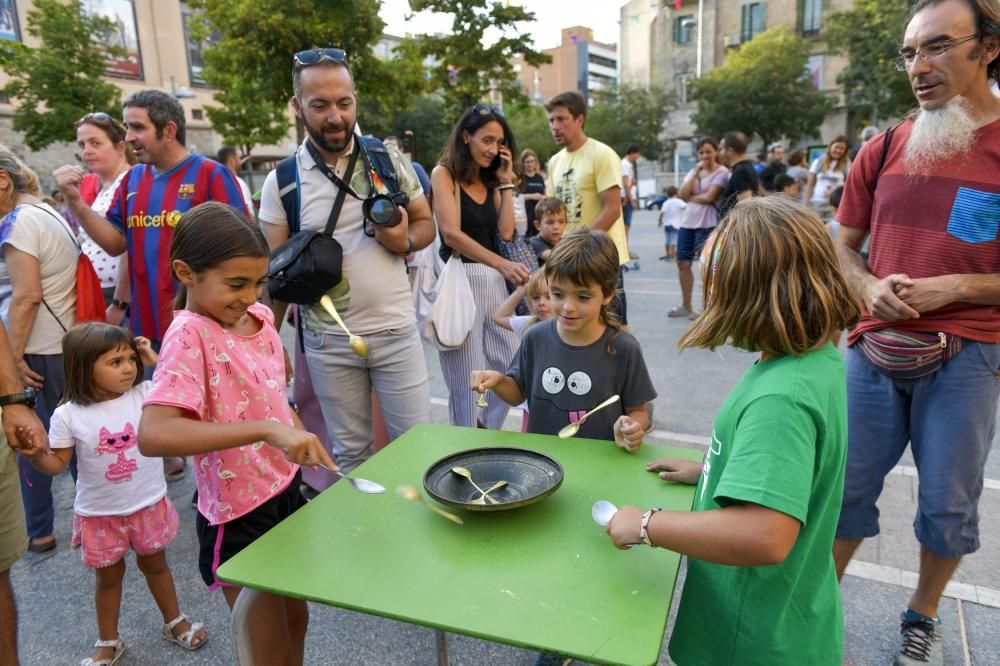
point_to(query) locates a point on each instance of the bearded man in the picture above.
(373, 298)
(922, 365)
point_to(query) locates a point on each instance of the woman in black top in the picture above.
(478, 161)
(533, 185)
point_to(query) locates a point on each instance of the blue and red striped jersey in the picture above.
(146, 208)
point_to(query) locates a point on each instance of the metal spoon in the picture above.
(364, 485)
(602, 512)
(462, 471)
(495, 486)
(573, 428)
(358, 344)
(412, 494)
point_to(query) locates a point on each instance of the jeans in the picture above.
(948, 418)
(343, 384)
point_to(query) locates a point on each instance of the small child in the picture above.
(669, 217)
(760, 579)
(536, 292)
(121, 495)
(550, 220)
(219, 395)
(571, 364)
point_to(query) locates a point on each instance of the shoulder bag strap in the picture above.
(79, 249)
(458, 210)
(342, 187)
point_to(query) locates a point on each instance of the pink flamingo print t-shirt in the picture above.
(114, 478)
(221, 377)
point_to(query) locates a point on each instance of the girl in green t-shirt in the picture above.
(761, 586)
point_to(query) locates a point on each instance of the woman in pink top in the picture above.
(218, 394)
(701, 190)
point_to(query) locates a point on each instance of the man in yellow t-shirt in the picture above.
(586, 176)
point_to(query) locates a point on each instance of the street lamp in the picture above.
(689, 23)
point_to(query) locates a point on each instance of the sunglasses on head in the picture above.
(315, 56)
(99, 116)
(486, 110)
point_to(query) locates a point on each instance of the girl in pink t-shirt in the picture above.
(121, 495)
(218, 394)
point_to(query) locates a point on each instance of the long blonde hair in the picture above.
(828, 163)
(775, 283)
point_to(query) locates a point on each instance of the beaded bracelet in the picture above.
(644, 527)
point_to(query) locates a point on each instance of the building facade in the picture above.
(159, 55)
(579, 63)
(671, 46)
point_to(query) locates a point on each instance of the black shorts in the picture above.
(218, 543)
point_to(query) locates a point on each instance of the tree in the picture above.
(250, 58)
(466, 69)
(627, 114)
(530, 126)
(869, 34)
(58, 82)
(763, 89)
(425, 118)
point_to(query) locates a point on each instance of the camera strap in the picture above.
(342, 187)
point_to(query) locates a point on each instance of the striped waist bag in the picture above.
(908, 355)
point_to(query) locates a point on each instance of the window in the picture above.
(197, 114)
(195, 61)
(595, 59)
(683, 83)
(682, 29)
(753, 19)
(810, 15)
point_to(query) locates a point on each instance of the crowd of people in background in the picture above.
(181, 249)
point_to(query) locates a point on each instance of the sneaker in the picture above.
(921, 640)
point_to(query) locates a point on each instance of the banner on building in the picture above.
(9, 28)
(123, 35)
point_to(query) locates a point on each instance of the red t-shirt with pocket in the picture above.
(943, 223)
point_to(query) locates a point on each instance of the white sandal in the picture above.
(118, 644)
(187, 639)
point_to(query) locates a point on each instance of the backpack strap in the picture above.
(886, 141)
(287, 173)
(382, 163)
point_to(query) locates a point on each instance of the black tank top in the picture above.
(532, 185)
(479, 222)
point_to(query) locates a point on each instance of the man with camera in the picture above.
(343, 190)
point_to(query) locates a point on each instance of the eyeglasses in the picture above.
(108, 122)
(315, 56)
(928, 52)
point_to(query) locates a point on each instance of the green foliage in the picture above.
(425, 118)
(467, 70)
(627, 114)
(870, 34)
(763, 89)
(251, 58)
(61, 80)
(530, 125)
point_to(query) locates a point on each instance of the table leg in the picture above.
(441, 640)
(241, 625)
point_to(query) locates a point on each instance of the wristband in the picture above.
(644, 527)
(409, 247)
(505, 186)
(120, 304)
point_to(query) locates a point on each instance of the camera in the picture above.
(383, 209)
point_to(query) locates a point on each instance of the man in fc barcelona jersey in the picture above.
(168, 180)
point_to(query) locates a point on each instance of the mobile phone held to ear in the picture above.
(497, 161)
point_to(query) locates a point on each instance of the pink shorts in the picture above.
(104, 540)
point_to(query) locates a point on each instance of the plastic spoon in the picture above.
(602, 512)
(364, 485)
(573, 428)
(412, 494)
(358, 344)
(462, 471)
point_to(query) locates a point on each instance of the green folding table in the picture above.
(544, 576)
